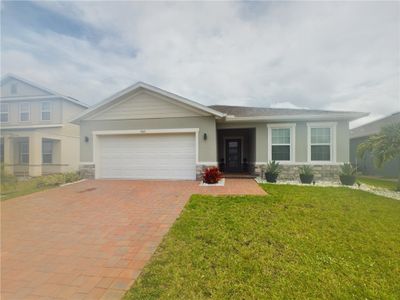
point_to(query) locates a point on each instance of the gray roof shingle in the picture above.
(374, 126)
(246, 111)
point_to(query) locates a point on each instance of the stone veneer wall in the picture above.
(291, 172)
(86, 171)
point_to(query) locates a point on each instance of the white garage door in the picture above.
(147, 156)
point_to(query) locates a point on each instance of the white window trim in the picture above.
(292, 127)
(29, 112)
(332, 126)
(6, 112)
(42, 111)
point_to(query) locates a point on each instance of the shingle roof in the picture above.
(245, 111)
(374, 126)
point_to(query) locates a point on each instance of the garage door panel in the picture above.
(161, 156)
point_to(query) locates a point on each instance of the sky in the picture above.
(320, 55)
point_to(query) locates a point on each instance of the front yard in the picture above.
(297, 243)
(383, 183)
(11, 187)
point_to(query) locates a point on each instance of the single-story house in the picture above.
(366, 164)
(143, 132)
(37, 137)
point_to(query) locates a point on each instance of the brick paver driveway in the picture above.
(90, 240)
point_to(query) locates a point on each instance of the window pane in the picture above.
(280, 152)
(45, 106)
(25, 107)
(320, 135)
(280, 135)
(321, 153)
(45, 116)
(47, 147)
(2, 152)
(24, 153)
(4, 107)
(24, 116)
(47, 158)
(4, 117)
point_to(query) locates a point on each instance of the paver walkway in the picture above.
(90, 240)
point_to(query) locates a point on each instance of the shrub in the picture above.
(71, 177)
(8, 181)
(272, 171)
(57, 179)
(347, 174)
(212, 175)
(306, 174)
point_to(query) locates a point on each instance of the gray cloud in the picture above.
(341, 56)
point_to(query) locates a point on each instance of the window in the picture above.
(13, 89)
(2, 150)
(47, 152)
(281, 142)
(24, 153)
(46, 111)
(321, 146)
(24, 112)
(4, 112)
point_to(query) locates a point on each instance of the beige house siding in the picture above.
(301, 138)
(65, 154)
(207, 148)
(22, 89)
(145, 105)
(35, 112)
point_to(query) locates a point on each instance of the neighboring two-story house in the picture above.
(36, 136)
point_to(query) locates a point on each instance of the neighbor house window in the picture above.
(24, 112)
(321, 138)
(4, 112)
(46, 111)
(281, 142)
(24, 153)
(47, 152)
(2, 150)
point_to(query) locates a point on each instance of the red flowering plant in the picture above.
(212, 175)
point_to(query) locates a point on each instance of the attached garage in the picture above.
(146, 156)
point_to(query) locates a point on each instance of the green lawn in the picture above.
(20, 189)
(37, 184)
(379, 182)
(297, 243)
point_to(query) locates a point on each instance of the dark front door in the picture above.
(233, 148)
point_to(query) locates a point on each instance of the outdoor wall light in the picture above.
(205, 136)
(86, 139)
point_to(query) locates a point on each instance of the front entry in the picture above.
(233, 154)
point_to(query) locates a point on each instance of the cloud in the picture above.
(325, 55)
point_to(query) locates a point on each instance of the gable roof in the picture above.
(374, 126)
(151, 88)
(244, 113)
(35, 85)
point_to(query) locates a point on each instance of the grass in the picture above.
(379, 182)
(297, 243)
(11, 187)
(21, 188)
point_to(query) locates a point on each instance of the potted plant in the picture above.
(306, 174)
(212, 175)
(347, 174)
(272, 171)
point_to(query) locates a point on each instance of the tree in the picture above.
(384, 146)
